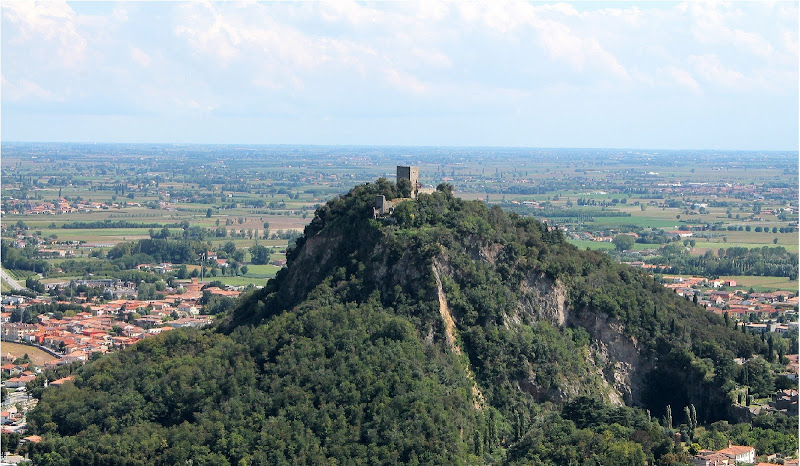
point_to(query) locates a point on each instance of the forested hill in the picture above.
(445, 333)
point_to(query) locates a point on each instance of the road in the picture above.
(11, 282)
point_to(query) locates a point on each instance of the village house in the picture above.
(785, 400)
(190, 322)
(21, 380)
(222, 262)
(61, 381)
(86, 333)
(17, 331)
(739, 453)
(188, 308)
(14, 369)
(220, 292)
(710, 458)
(12, 300)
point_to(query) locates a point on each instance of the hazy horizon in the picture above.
(405, 146)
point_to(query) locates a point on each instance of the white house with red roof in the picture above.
(739, 453)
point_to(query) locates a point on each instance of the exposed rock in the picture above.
(616, 355)
(450, 336)
(543, 299)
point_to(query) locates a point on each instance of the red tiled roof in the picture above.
(62, 380)
(736, 450)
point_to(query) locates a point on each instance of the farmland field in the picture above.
(763, 283)
(239, 281)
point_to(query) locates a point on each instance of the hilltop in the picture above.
(447, 332)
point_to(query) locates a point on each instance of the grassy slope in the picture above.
(17, 350)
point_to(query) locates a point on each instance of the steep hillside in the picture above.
(501, 276)
(445, 333)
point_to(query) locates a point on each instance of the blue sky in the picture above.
(697, 75)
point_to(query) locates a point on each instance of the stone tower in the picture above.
(411, 174)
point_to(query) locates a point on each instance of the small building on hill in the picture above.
(412, 175)
(382, 207)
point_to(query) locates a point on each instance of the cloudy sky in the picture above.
(695, 75)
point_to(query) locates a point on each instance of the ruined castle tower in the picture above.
(411, 174)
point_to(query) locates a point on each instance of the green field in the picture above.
(702, 246)
(20, 275)
(603, 246)
(594, 245)
(241, 281)
(262, 270)
(763, 283)
(98, 235)
(644, 222)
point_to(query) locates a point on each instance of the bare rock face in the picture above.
(559, 394)
(615, 355)
(314, 257)
(543, 299)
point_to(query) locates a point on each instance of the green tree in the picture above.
(623, 242)
(229, 247)
(668, 417)
(757, 374)
(404, 187)
(259, 254)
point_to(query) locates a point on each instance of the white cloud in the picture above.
(284, 56)
(561, 43)
(120, 14)
(549, 24)
(24, 89)
(432, 10)
(433, 58)
(789, 39)
(350, 11)
(52, 22)
(711, 69)
(139, 56)
(633, 17)
(683, 78)
(404, 81)
(711, 26)
(208, 32)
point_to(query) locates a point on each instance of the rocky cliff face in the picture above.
(612, 356)
(543, 299)
(615, 356)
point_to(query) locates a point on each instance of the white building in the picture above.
(739, 453)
